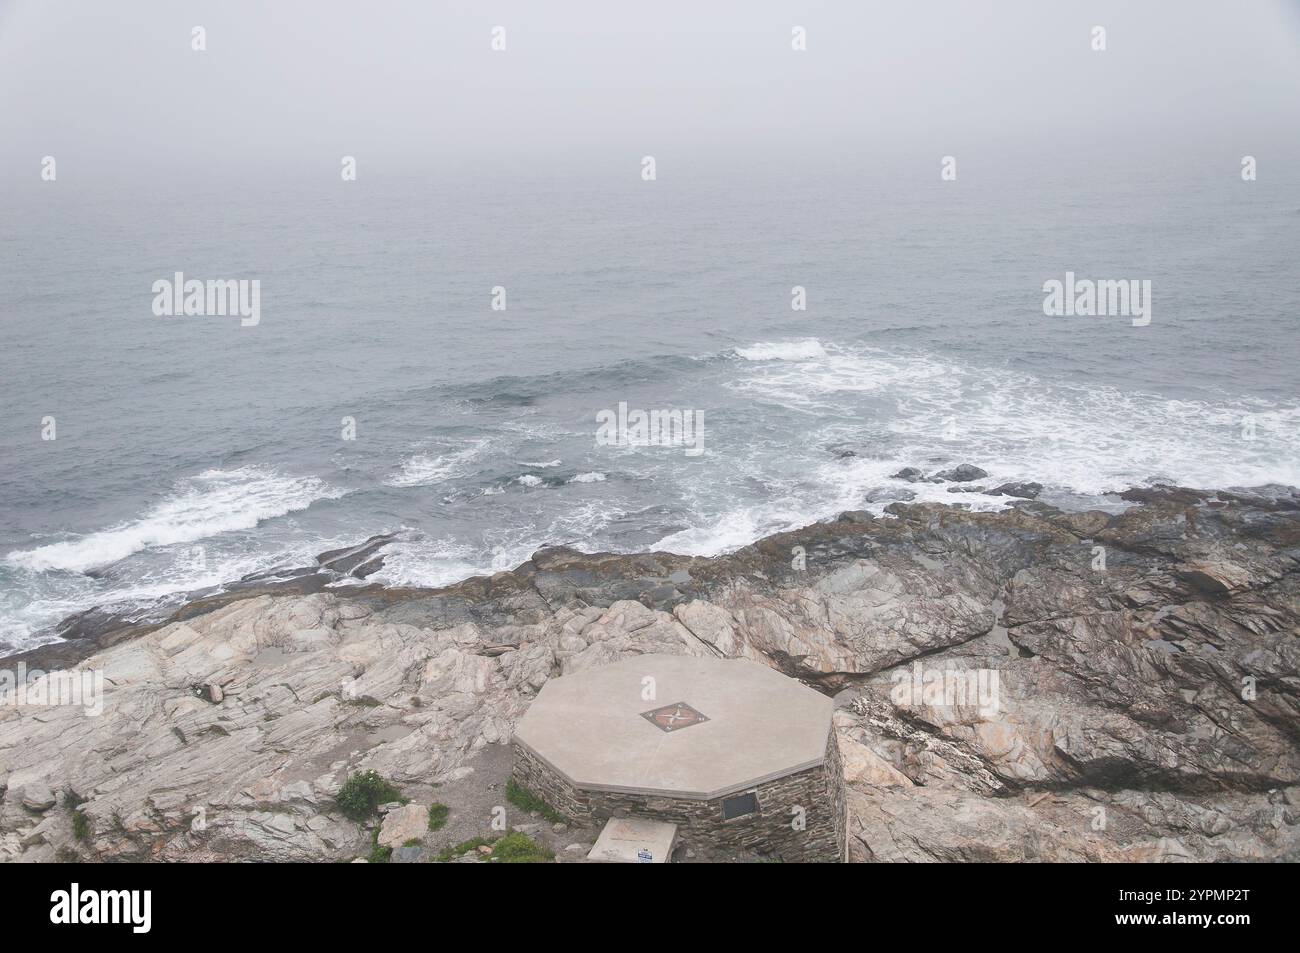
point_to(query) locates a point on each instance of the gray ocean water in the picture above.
(191, 451)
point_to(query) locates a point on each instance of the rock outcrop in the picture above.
(1029, 684)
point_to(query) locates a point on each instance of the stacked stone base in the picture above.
(800, 816)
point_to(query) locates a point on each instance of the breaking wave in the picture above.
(214, 502)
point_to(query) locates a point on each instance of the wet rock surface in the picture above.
(963, 473)
(1029, 684)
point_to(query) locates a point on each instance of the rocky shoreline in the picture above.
(1145, 669)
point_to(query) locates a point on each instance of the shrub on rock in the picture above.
(361, 795)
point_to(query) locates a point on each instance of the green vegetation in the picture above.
(513, 848)
(464, 847)
(521, 797)
(362, 794)
(413, 842)
(517, 848)
(438, 816)
(378, 855)
(80, 822)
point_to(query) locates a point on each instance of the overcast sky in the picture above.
(415, 85)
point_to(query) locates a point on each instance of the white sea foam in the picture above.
(443, 561)
(430, 467)
(827, 490)
(529, 480)
(898, 410)
(807, 349)
(214, 502)
(545, 465)
(592, 477)
(1084, 439)
(439, 562)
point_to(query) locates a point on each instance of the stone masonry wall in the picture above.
(835, 796)
(771, 829)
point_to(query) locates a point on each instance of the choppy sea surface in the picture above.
(191, 451)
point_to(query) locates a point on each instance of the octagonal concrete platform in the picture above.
(599, 732)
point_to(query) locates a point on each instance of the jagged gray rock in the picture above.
(1026, 491)
(962, 473)
(1111, 686)
(910, 474)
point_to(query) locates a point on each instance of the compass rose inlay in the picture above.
(674, 717)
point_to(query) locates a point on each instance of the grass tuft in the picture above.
(378, 854)
(517, 848)
(521, 797)
(448, 854)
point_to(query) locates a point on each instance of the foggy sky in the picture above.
(414, 85)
